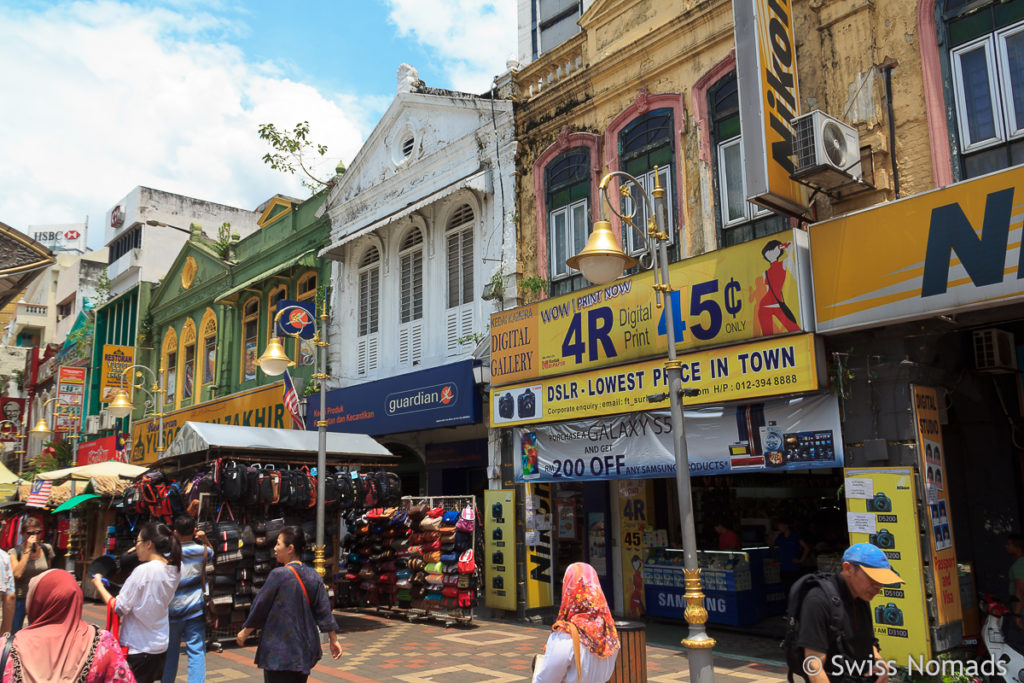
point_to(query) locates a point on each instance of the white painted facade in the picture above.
(452, 163)
(75, 284)
(159, 244)
(546, 24)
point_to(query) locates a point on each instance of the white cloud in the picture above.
(101, 96)
(473, 38)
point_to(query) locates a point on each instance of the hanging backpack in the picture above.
(394, 484)
(267, 492)
(332, 492)
(299, 496)
(231, 480)
(837, 617)
(251, 495)
(344, 484)
(358, 491)
(311, 482)
(371, 494)
(286, 487)
(175, 499)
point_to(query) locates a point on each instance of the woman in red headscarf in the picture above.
(57, 645)
(583, 618)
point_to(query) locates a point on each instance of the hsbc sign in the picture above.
(60, 237)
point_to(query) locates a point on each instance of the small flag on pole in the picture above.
(291, 402)
(40, 494)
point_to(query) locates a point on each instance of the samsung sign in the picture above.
(438, 397)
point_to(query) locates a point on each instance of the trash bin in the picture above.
(631, 666)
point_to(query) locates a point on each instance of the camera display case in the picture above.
(725, 579)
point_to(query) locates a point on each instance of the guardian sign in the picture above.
(956, 248)
(769, 99)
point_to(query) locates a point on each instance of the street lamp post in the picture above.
(43, 430)
(601, 261)
(274, 362)
(122, 406)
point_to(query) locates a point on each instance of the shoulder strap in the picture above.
(301, 585)
(6, 653)
(575, 633)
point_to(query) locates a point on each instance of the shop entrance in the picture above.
(581, 526)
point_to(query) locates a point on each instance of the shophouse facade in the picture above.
(212, 317)
(423, 250)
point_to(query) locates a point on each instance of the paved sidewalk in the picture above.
(380, 649)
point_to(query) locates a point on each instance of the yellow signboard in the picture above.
(756, 289)
(932, 459)
(634, 510)
(769, 99)
(760, 369)
(538, 545)
(955, 248)
(499, 530)
(882, 504)
(261, 407)
(115, 359)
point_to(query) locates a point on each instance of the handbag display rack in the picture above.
(416, 560)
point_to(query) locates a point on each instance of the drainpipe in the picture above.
(887, 66)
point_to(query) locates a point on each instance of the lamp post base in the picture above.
(320, 562)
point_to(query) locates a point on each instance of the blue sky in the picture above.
(111, 94)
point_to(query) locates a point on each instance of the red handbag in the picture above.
(114, 624)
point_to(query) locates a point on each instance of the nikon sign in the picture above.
(769, 99)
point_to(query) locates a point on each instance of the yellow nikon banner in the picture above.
(765, 368)
(932, 459)
(881, 506)
(755, 289)
(500, 544)
(261, 407)
(948, 250)
(538, 545)
(769, 99)
(115, 360)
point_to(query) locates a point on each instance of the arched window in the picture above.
(738, 220)
(250, 337)
(459, 242)
(208, 328)
(986, 58)
(567, 198)
(276, 294)
(187, 351)
(410, 313)
(643, 144)
(369, 310)
(169, 364)
(306, 290)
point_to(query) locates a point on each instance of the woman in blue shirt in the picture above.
(291, 609)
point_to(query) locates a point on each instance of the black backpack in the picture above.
(231, 480)
(300, 495)
(251, 496)
(345, 497)
(837, 616)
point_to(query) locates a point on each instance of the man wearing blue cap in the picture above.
(865, 571)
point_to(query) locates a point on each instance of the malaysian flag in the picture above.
(291, 402)
(40, 494)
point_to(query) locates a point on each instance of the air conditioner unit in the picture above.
(107, 421)
(826, 151)
(92, 424)
(994, 351)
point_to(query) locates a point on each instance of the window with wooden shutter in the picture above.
(410, 328)
(459, 314)
(369, 309)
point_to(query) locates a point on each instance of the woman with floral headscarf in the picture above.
(583, 617)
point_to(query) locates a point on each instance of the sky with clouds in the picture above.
(102, 95)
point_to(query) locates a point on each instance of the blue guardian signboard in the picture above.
(438, 397)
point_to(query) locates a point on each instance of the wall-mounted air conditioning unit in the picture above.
(92, 424)
(107, 421)
(994, 351)
(826, 151)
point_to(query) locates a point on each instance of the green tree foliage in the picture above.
(291, 152)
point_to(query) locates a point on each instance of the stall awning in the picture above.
(307, 255)
(279, 444)
(110, 468)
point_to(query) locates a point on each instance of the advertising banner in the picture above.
(771, 367)
(261, 407)
(538, 545)
(12, 409)
(299, 319)
(500, 548)
(97, 450)
(779, 434)
(67, 410)
(881, 505)
(956, 248)
(766, 79)
(634, 503)
(115, 360)
(756, 289)
(437, 397)
(932, 461)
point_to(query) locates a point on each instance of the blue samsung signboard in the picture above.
(438, 397)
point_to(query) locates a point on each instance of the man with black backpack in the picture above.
(830, 636)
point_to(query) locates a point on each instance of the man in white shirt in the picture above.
(7, 592)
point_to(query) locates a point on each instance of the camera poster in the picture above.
(899, 611)
(932, 461)
(499, 528)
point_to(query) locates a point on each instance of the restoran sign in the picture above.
(770, 367)
(950, 249)
(752, 290)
